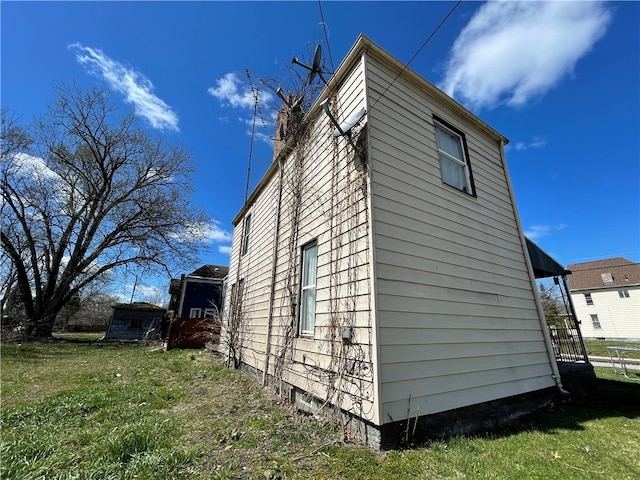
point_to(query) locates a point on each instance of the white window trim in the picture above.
(195, 313)
(464, 163)
(245, 235)
(309, 332)
(209, 311)
(595, 321)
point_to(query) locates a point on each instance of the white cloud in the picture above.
(135, 87)
(264, 138)
(148, 291)
(213, 233)
(538, 231)
(204, 232)
(225, 249)
(511, 51)
(143, 293)
(536, 142)
(230, 91)
(34, 167)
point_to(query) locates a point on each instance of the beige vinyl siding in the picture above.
(618, 317)
(334, 213)
(254, 268)
(457, 319)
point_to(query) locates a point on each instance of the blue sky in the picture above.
(560, 80)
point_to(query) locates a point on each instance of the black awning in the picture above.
(543, 265)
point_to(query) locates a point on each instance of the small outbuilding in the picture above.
(134, 321)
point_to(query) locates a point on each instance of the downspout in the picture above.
(272, 293)
(534, 288)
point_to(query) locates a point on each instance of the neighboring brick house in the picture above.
(606, 296)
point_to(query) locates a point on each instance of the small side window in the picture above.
(308, 289)
(595, 321)
(455, 169)
(245, 234)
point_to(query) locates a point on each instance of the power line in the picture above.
(417, 53)
(326, 35)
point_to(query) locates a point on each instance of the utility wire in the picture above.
(326, 34)
(416, 54)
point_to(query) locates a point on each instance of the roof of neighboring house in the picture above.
(137, 306)
(210, 271)
(609, 273)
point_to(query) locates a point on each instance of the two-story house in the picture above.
(606, 296)
(379, 268)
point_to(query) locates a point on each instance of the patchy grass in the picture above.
(96, 410)
(598, 348)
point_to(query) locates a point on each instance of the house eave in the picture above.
(364, 44)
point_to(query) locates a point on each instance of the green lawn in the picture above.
(598, 348)
(94, 410)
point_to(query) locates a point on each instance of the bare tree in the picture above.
(87, 193)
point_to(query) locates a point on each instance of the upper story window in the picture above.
(595, 321)
(589, 300)
(623, 293)
(237, 294)
(454, 162)
(245, 234)
(195, 313)
(308, 289)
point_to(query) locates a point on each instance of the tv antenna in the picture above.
(291, 104)
(316, 66)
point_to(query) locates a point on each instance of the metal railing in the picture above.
(567, 345)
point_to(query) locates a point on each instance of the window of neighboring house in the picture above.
(195, 313)
(595, 321)
(623, 293)
(587, 297)
(455, 169)
(308, 289)
(135, 323)
(209, 312)
(245, 234)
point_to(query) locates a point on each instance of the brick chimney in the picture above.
(287, 122)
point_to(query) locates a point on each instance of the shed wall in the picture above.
(120, 324)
